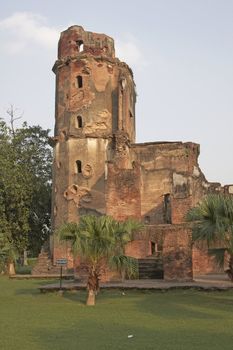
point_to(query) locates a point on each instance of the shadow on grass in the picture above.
(34, 287)
(103, 296)
(102, 332)
(188, 304)
(24, 291)
(75, 296)
(170, 305)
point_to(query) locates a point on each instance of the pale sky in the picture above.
(181, 52)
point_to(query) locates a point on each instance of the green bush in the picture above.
(32, 261)
(23, 270)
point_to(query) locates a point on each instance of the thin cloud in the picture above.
(129, 51)
(23, 29)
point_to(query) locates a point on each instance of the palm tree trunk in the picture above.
(92, 287)
(90, 298)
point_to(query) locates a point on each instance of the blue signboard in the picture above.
(61, 262)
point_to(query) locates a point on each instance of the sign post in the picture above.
(61, 262)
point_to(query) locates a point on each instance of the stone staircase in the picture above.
(44, 265)
(150, 268)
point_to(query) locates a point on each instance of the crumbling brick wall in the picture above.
(177, 253)
(203, 263)
(99, 169)
(123, 193)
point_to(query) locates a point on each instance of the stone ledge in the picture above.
(205, 283)
(41, 276)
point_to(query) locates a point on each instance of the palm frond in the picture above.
(126, 264)
(212, 218)
(219, 254)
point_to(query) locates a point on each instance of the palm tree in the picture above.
(213, 222)
(99, 242)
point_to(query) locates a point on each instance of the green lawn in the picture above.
(176, 320)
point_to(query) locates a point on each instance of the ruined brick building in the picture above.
(99, 169)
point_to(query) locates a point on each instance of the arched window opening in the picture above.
(79, 121)
(80, 45)
(79, 166)
(80, 81)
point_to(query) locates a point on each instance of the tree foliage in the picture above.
(25, 186)
(35, 152)
(213, 222)
(100, 243)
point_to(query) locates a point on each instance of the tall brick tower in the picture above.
(95, 115)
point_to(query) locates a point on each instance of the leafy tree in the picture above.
(25, 186)
(100, 243)
(14, 192)
(35, 153)
(213, 222)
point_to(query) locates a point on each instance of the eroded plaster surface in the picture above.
(99, 169)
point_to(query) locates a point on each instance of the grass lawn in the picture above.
(176, 320)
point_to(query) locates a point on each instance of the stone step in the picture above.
(155, 275)
(149, 260)
(150, 268)
(44, 265)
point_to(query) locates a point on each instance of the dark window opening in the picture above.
(153, 248)
(156, 248)
(80, 81)
(167, 208)
(130, 114)
(147, 219)
(80, 45)
(79, 121)
(79, 166)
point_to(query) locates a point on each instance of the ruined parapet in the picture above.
(228, 189)
(76, 40)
